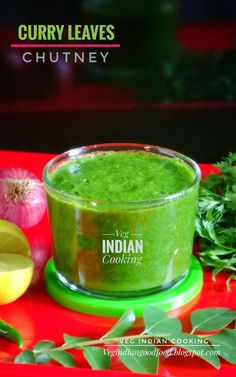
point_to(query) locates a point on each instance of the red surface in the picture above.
(207, 37)
(38, 317)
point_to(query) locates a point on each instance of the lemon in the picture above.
(16, 272)
(12, 239)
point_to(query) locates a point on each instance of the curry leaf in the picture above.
(139, 352)
(73, 341)
(122, 326)
(44, 345)
(98, 358)
(26, 357)
(63, 358)
(197, 346)
(158, 323)
(139, 357)
(212, 319)
(225, 343)
(43, 358)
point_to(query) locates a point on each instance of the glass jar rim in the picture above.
(81, 151)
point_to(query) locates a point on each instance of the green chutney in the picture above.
(122, 221)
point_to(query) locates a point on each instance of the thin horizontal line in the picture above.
(136, 234)
(164, 345)
(41, 45)
(108, 234)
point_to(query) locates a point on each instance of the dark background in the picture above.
(16, 11)
(203, 132)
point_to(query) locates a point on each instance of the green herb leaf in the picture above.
(74, 340)
(215, 223)
(43, 358)
(26, 357)
(40, 348)
(98, 358)
(63, 358)
(225, 343)
(139, 353)
(158, 323)
(10, 333)
(197, 346)
(139, 357)
(44, 345)
(122, 326)
(212, 319)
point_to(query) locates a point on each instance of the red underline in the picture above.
(65, 45)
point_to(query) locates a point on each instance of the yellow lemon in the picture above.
(12, 239)
(16, 272)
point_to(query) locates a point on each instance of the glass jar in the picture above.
(122, 248)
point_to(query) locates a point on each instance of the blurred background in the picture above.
(172, 82)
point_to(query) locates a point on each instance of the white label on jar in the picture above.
(123, 245)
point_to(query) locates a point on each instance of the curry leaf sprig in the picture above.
(140, 352)
(216, 218)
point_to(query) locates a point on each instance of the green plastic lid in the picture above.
(170, 299)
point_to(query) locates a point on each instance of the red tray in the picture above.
(38, 317)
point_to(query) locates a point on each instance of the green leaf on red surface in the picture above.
(212, 319)
(139, 357)
(43, 345)
(41, 351)
(98, 358)
(73, 341)
(26, 357)
(225, 343)
(63, 358)
(122, 326)
(197, 346)
(10, 333)
(158, 323)
(43, 358)
(137, 352)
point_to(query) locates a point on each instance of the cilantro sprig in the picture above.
(216, 219)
